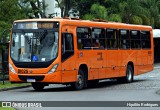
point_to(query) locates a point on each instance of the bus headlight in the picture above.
(11, 69)
(53, 69)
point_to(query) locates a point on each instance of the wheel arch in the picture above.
(84, 68)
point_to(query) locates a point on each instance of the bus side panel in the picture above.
(96, 62)
(112, 60)
(135, 60)
(139, 62)
(144, 58)
(124, 58)
(102, 69)
(69, 71)
(147, 61)
(69, 76)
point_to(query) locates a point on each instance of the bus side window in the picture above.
(124, 42)
(67, 46)
(135, 39)
(83, 38)
(145, 40)
(98, 38)
(111, 39)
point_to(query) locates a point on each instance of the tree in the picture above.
(152, 11)
(84, 6)
(115, 17)
(9, 12)
(33, 8)
(97, 11)
(129, 9)
(136, 20)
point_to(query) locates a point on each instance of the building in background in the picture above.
(52, 9)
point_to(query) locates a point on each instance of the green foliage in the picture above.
(128, 11)
(146, 12)
(8, 84)
(84, 6)
(33, 8)
(9, 12)
(97, 12)
(146, 20)
(7, 108)
(115, 18)
(88, 17)
(12, 10)
(158, 24)
(137, 20)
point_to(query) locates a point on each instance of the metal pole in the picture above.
(3, 65)
(44, 8)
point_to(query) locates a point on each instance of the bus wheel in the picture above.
(129, 74)
(80, 83)
(38, 86)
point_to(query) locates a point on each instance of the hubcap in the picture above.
(79, 82)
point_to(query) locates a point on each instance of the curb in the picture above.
(157, 67)
(12, 88)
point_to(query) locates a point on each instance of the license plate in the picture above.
(31, 80)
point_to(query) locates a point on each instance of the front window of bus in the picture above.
(34, 42)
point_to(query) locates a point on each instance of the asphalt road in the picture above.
(145, 87)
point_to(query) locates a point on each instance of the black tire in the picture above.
(80, 83)
(38, 86)
(129, 76)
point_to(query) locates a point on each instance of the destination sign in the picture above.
(35, 25)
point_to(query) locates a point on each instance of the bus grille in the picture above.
(37, 78)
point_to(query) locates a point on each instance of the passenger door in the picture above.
(67, 58)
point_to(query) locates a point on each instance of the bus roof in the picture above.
(91, 23)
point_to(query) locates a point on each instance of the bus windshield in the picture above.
(34, 45)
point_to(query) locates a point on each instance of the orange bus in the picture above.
(76, 52)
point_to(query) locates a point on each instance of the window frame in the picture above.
(111, 39)
(84, 40)
(71, 52)
(101, 47)
(135, 40)
(124, 39)
(145, 48)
